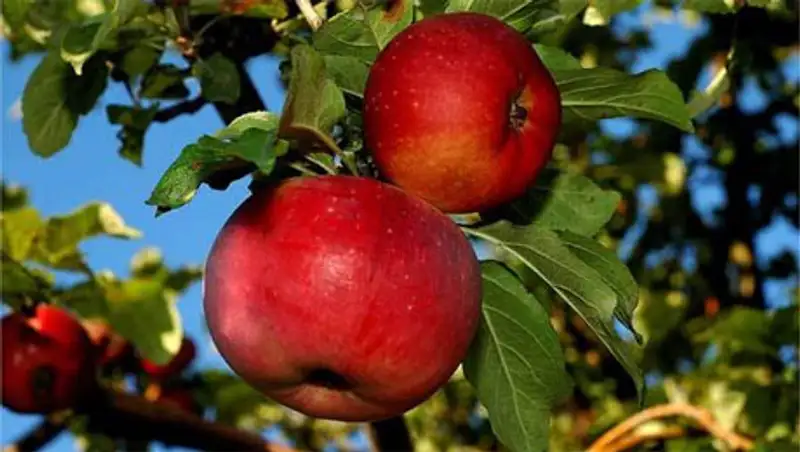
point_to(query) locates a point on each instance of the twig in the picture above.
(391, 435)
(190, 107)
(134, 418)
(39, 436)
(635, 439)
(699, 415)
(308, 11)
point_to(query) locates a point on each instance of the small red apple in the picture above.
(460, 111)
(48, 362)
(342, 297)
(177, 365)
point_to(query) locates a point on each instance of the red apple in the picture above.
(175, 366)
(342, 297)
(460, 111)
(48, 362)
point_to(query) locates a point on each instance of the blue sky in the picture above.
(89, 169)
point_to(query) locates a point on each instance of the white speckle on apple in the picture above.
(438, 244)
(394, 92)
(415, 104)
(406, 277)
(410, 307)
(330, 209)
(389, 231)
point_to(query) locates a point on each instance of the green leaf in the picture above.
(14, 197)
(565, 201)
(62, 234)
(599, 12)
(138, 60)
(20, 228)
(164, 81)
(363, 34)
(54, 98)
(22, 283)
(521, 15)
(613, 272)
(550, 23)
(134, 121)
(711, 6)
(313, 103)
(588, 95)
(15, 12)
(265, 9)
(515, 362)
(556, 59)
(83, 39)
(141, 311)
(219, 79)
(262, 120)
(578, 284)
(249, 141)
(702, 101)
(349, 73)
(740, 329)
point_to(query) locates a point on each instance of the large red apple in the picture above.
(48, 361)
(342, 297)
(460, 110)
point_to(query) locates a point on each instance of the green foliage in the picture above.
(250, 140)
(516, 363)
(556, 294)
(141, 308)
(219, 79)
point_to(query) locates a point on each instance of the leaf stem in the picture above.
(310, 14)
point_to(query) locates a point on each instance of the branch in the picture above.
(390, 435)
(39, 436)
(635, 438)
(134, 418)
(699, 415)
(310, 14)
(190, 107)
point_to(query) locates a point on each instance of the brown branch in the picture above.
(134, 418)
(628, 442)
(703, 417)
(39, 436)
(391, 435)
(190, 107)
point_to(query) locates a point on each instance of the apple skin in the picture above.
(179, 362)
(48, 361)
(342, 297)
(460, 111)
